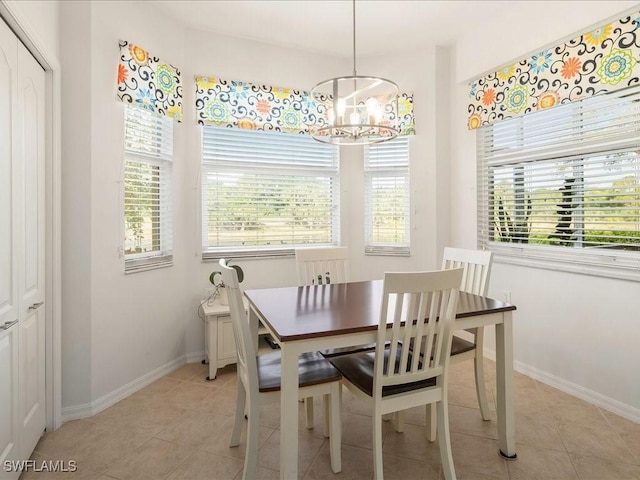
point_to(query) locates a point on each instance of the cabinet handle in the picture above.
(8, 325)
(36, 305)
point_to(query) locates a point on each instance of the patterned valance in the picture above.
(406, 120)
(225, 103)
(146, 82)
(599, 61)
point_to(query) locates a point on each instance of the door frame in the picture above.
(26, 33)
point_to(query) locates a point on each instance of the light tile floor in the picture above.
(178, 428)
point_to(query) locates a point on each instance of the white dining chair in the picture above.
(476, 265)
(259, 382)
(396, 376)
(322, 265)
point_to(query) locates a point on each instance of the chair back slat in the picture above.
(321, 266)
(247, 367)
(419, 332)
(396, 315)
(418, 309)
(477, 268)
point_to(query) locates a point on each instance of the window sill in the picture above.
(248, 254)
(583, 263)
(387, 251)
(144, 264)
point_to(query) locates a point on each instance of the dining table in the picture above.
(318, 317)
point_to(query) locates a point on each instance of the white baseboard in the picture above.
(595, 398)
(74, 412)
(195, 357)
(85, 410)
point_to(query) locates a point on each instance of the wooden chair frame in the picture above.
(250, 398)
(401, 376)
(321, 266)
(476, 265)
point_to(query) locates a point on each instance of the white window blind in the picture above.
(387, 198)
(148, 140)
(561, 188)
(265, 193)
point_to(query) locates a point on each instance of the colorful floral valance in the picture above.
(406, 120)
(599, 61)
(146, 82)
(237, 104)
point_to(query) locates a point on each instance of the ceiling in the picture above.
(325, 26)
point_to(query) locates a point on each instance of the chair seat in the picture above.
(313, 369)
(359, 370)
(460, 345)
(335, 352)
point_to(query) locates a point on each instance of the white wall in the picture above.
(41, 17)
(118, 328)
(235, 59)
(76, 206)
(424, 72)
(574, 331)
(137, 320)
(498, 42)
(244, 60)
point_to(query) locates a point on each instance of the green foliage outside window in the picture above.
(389, 218)
(141, 208)
(580, 212)
(276, 211)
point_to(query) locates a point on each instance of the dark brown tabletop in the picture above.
(296, 313)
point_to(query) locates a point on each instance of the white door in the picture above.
(9, 425)
(31, 272)
(8, 176)
(9, 450)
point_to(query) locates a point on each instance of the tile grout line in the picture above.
(617, 433)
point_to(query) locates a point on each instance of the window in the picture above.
(387, 218)
(561, 188)
(265, 193)
(148, 152)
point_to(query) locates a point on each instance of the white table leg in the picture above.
(289, 414)
(504, 377)
(212, 347)
(254, 324)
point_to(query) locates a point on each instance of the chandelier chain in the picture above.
(354, 38)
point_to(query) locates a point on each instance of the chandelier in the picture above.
(360, 110)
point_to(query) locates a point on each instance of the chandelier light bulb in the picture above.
(373, 110)
(373, 106)
(331, 116)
